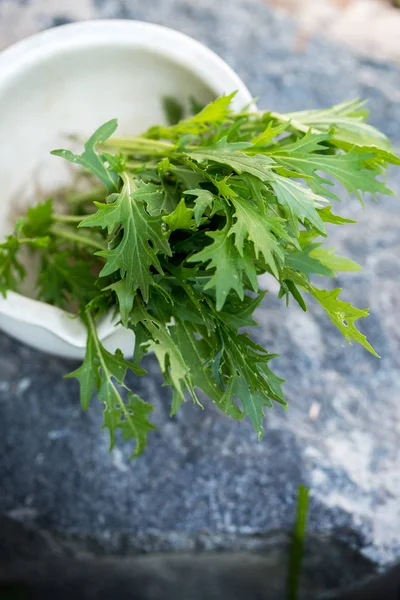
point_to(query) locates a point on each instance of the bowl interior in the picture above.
(73, 92)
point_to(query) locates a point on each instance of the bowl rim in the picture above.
(171, 44)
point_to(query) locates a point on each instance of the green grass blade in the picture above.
(297, 548)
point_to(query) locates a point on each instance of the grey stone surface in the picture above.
(42, 565)
(55, 564)
(203, 472)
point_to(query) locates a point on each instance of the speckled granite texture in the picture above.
(203, 472)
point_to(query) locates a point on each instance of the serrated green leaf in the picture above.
(153, 196)
(269, 133)
(274, 383)
(64, 277)
(125, 299)
(188, 177)
(253, 402)
(347, 168)
(180, 218)
(238, 314)
(102, 371)
(204, 200)
(258, 165)
(250, 382)
(142, 239)
(37, 220)
(327, 216)
(135, 424)
(343, 315)
(328, 258)
(172, 363)
(229, 266)
(299, 203)
(305, 261)
(377, 156)
(92, 160)
(346, 121)
(196, 353)
(214, 111)
(257, 228)
(87, 374)
(311, 142)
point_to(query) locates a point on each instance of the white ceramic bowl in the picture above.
(70, 80)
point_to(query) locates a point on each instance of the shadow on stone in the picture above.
(41, 565)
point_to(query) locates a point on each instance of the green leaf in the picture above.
(346, 121)
(327, 216)
(196, 352)
(328, 258)
(135, 424)
(253, 384)
(87, 374)
(37, 220)
(288, 287)
(153, 196)
(226, 154)
(135, 253)
(63, 279)
(269, 133)
(349, 169)
(93, 161)
(299, 203)
(172, 363)
(239, 314)
(223, 187)
(204, 200)
(173, 110)
(343, 315)
(188, 177)
(377, 156)
(102, 371)
(274, 383)
(214, 112)
(257, 228)
(228, 264)
(253, 402)
(305, 261)
(306, 144)
(180, 218)
(11, 269)
(125, 299)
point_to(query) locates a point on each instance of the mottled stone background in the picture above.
(204, 473)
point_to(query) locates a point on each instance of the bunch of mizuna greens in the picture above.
(186, 219)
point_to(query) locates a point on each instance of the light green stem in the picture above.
(85, 197)
(68, 218)
(76, 237)
(139, 144)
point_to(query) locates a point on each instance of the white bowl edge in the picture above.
(14, 61)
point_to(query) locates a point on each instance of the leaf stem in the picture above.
(78, 238)
(68, 218)
(85, 197)
(139, 143)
